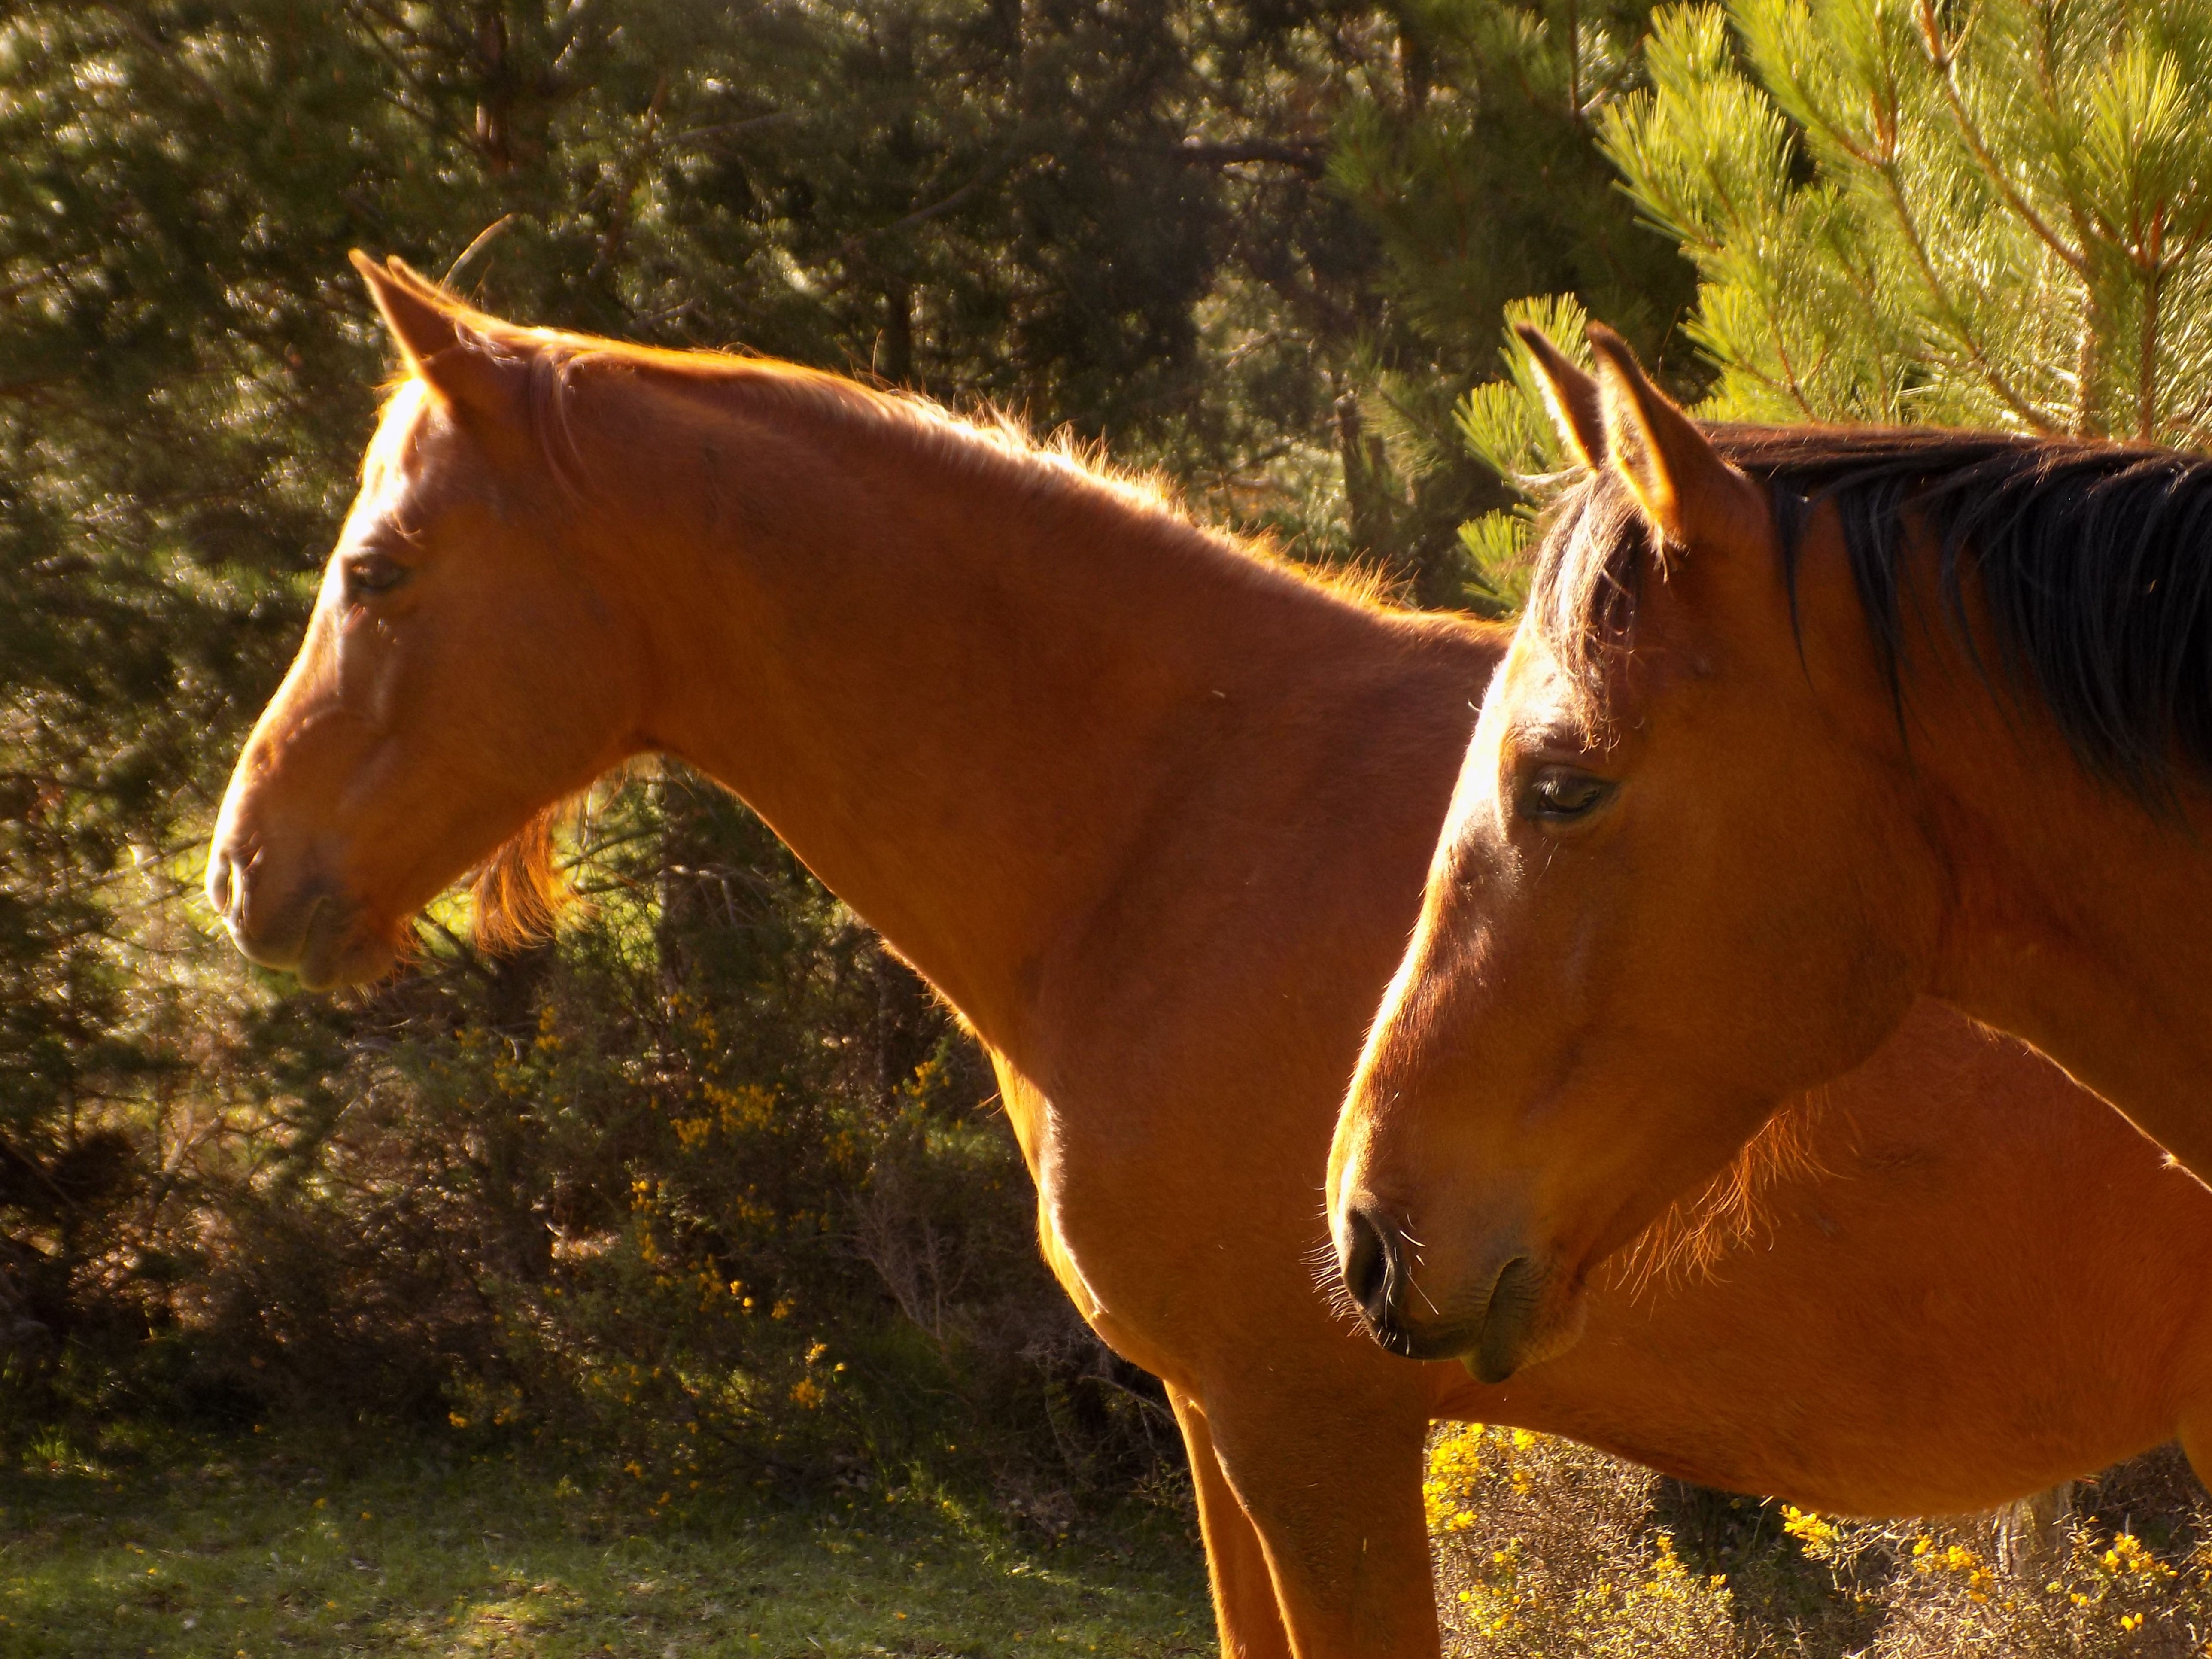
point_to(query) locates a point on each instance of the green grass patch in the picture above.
(266, 1547)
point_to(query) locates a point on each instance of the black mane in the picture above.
(2092, 563)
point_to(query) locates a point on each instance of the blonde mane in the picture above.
(992, 433)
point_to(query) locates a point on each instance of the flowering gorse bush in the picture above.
(1547, 1548)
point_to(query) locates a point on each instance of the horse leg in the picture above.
(1333, 1486)
(1244, 1610)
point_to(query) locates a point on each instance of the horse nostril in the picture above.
(1366, 1267)
(219, 884)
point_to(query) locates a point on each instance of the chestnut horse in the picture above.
(1153, 810)
(1800, 724)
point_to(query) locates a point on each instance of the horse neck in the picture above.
(967, 687)
(2073, 913)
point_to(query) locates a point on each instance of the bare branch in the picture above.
(1308, 158)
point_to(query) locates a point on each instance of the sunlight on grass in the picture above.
(324, 1549)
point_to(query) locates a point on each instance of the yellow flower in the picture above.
(1818, 1536)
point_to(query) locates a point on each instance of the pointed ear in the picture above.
(1571, 395)
(441, 339)
(421, 326)
(1691, 496)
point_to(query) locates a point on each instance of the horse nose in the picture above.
(230, 888)
(221, 882)
(1372, 1263)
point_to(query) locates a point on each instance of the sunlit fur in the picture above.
(518, 894)
(1154, 812)
(1735, 1211)
(1702, 1230)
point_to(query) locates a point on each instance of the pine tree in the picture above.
(1993, 215)
(1477, 167)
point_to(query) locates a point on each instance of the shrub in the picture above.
(711, 1184)
(1545, 1547)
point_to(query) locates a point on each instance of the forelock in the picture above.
(404, 403)
(1586, 583)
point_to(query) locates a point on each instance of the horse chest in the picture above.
(1098, 1225)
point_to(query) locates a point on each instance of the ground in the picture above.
(265, 1547)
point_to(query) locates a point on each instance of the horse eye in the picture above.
(372, 574)
(1561, 794)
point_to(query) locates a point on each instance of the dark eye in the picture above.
(371, 573)
(1561, 794)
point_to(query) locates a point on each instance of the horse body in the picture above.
(1154, 814)
(1947, 1302)
(1800, 724)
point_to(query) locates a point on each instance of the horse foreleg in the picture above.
(1332, 1484)
(1244, 1610)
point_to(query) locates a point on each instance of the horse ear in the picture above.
(440, 338)
(1571, 395)
(1691, 496)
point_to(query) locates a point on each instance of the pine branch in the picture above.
(1953, 318)
(1945, 62)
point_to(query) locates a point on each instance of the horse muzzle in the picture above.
(305, 927)
(1506, 1315)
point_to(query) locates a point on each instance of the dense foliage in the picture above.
(712, 1174)
(1544, 1547)
(1483, 182)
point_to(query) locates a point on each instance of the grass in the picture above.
(293, 1547)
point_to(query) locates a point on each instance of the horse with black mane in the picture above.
(1800, 724)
